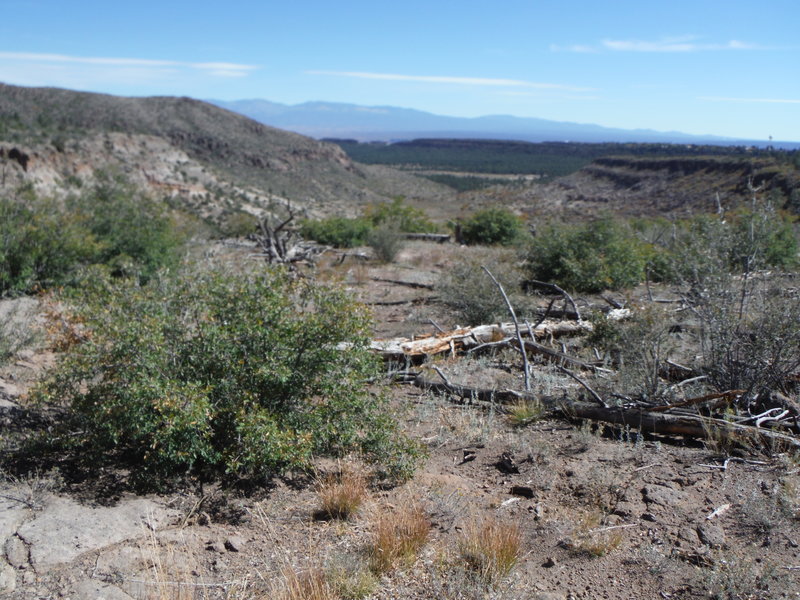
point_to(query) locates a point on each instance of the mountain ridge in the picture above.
(389, 123)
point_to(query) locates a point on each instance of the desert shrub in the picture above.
(400, 215)
(136, 234)
(40, 245)
(492, 226)
(43, 243)
(604, 254)
(386, 241)
(750, 339)
(472, 295)
(239, 224)
(340, 232)
(214, 374)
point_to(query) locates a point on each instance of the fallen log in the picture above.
(465, 338)
(693, 426)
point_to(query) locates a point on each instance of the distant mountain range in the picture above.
(389, 123)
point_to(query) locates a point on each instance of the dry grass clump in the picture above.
(491, 548)
(306, 584)
(525, 411)
(341, 494)
(397, 537)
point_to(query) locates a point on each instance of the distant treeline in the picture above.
(548, 159)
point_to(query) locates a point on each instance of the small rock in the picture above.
(688, 535)
(549, 563)
(28, 577)
(522, 490)
(16, 552)
(216, 546)
(547, 596)
(234, 543)
(8, 578)
(649, 517)
(711, 535)
(663, 496)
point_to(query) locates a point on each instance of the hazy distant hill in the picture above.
(279, 163)
(386, 123)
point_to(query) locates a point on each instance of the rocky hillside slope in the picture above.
(657, 186)
(185, 146)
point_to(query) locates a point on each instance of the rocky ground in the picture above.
(602, 512)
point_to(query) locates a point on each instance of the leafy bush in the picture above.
(400, 215)
(135, 233)
(386, 241)
(591, 257)
(220, 374)
(43, 243)
(339, 232)
(492, 226)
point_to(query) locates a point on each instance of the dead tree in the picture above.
(281, 244)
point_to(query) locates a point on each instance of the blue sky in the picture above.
(721, 67)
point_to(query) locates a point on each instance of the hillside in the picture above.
(63, 132)
(662, 186)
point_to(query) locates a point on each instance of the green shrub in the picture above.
(43, 243)
(386, 241)
(136, 234)
(492, 226)
(220, 374)
(604, 254)
(40, 246)
(400, 215)
(339, 232)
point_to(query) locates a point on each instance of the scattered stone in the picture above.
(97, 590)
(8, 578)
(215, 546)
(663, 496)
(506, 463)
(547, 596)
(468, 455)
(234, 543)
(711, 535)
(549, 563)
(28, 577)
(688, 535)
(16, 552)
(649, 517)
(522, 490)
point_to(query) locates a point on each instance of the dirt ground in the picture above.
(602, 512)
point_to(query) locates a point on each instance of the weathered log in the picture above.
(694, 426)
(465, 338)
(439, 238)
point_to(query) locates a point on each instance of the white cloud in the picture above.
(675, 44)
(751, 100)
(217, 69)
(667, 44)
(474, 81)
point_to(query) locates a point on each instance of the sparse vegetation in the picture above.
(398, 534)
(341, 494)
(491, 548)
